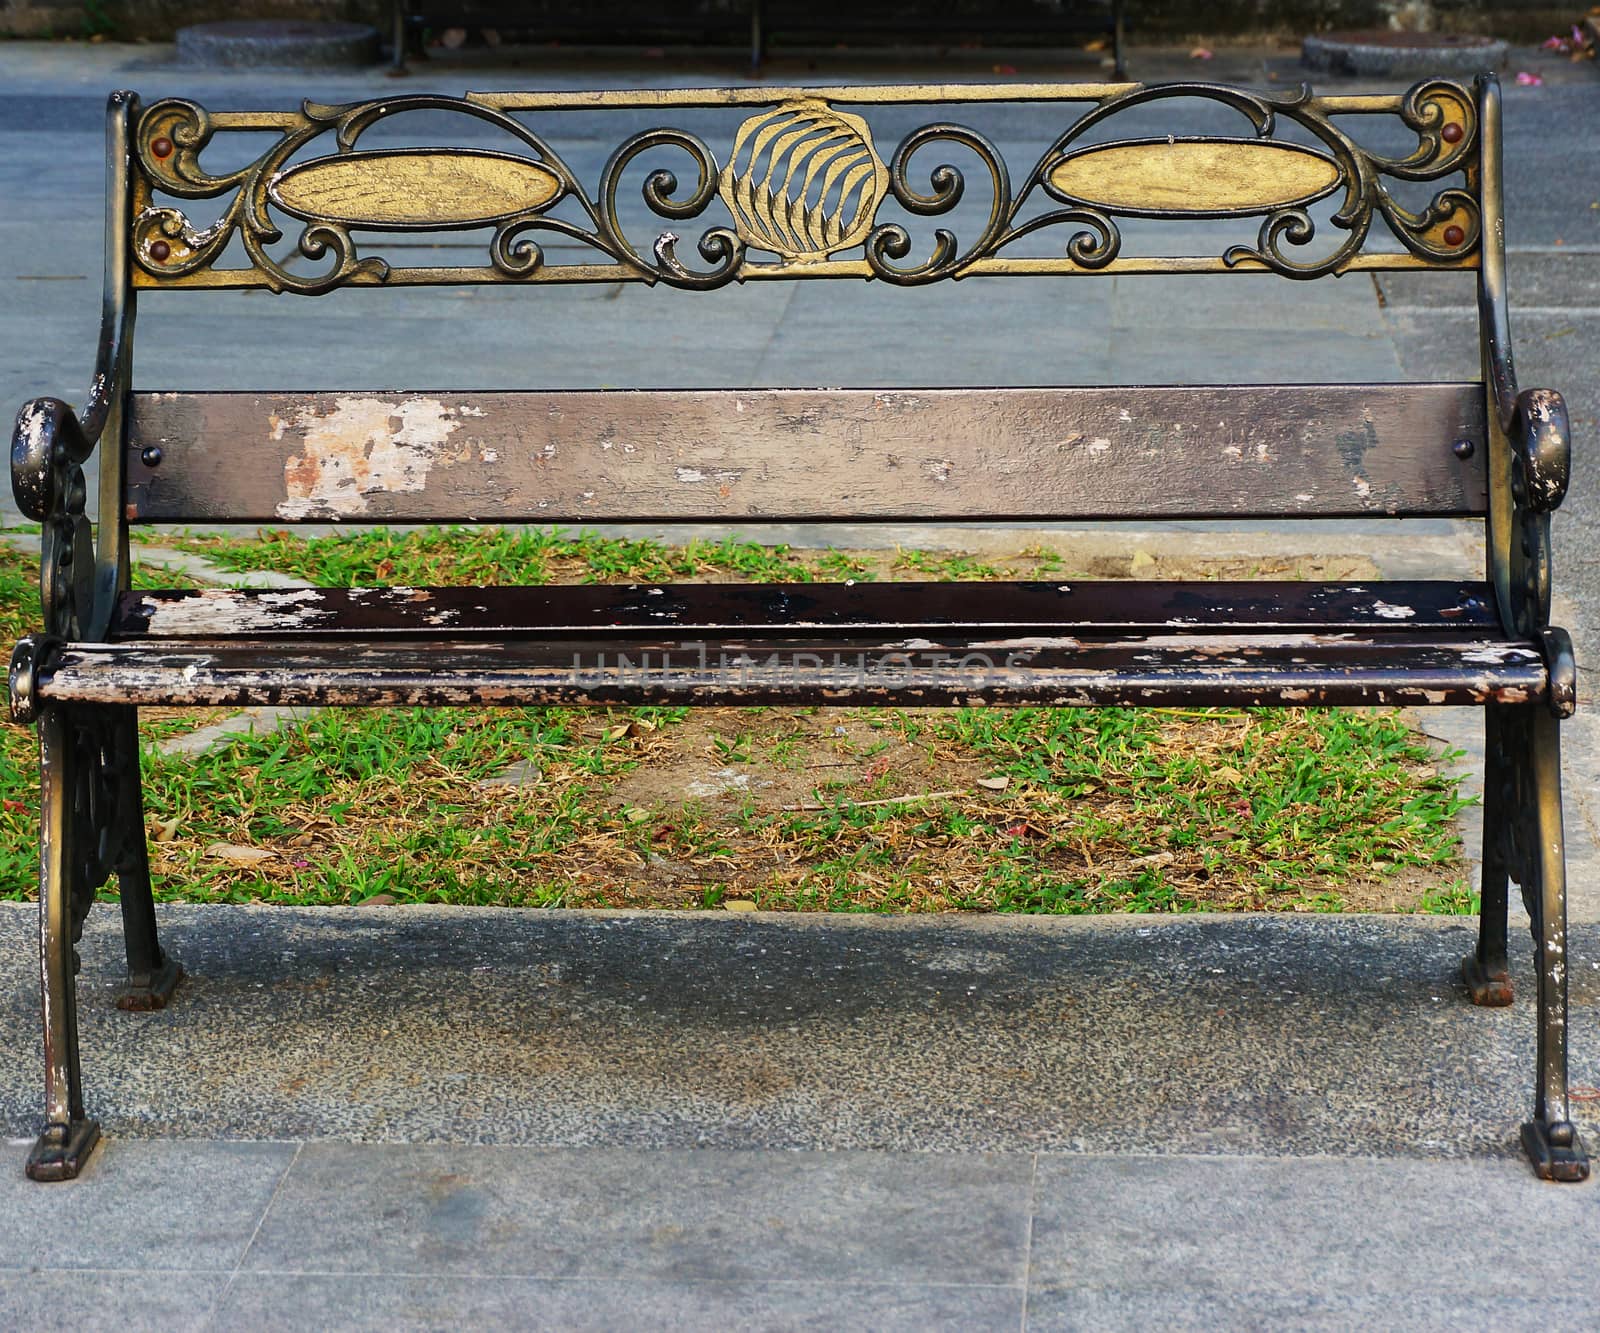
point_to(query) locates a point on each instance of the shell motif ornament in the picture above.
(803, 181)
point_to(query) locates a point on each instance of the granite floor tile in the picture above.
(129, 1302)
(1176, 1310)
(836, 1217)
(142, 1206)
(447, 1304)
(1219, 1225)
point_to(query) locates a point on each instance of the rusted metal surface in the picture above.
(1525, 842)
(1302, 451)
(1061, 670)
(830, 609)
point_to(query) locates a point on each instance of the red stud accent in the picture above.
(159, 251)
(1451, 133)
(161, 147)
(1453, 236)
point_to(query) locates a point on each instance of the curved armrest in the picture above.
(1542, 444)
(47, 447)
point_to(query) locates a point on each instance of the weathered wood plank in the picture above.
(807, 455)
(827, 609)
(1068, 671)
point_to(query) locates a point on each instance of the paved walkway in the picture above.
(422, 1117)
(617, 1120)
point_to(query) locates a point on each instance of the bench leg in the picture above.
(152, 974)
(69, 1135)
(1550, 1138)
(1523, 839)
(1486, 970)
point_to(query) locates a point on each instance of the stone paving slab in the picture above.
(1299, 1036)
(415, 1237)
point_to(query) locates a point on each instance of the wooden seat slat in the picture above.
(865, 608)
(1304, 669)
(796, 455)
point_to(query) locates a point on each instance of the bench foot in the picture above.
(146, 991)
(61, 1150)
(1488, 984)
(1555, 1150)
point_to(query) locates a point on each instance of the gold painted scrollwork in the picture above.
(803, 189)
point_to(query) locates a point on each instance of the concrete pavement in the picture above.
(414, 1118)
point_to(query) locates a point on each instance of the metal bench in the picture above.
(796, 189)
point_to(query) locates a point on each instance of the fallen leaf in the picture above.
(164, 830)
(1528, 80)
(995, 784)
(634, 815)
(1099, 44)
(1200, 53)
(1154, 859)
(236, 855)
(1229, 774)
(379, 900)
(15, 805)
(1142, 560)
(738, 905)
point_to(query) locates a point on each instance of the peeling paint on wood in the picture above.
(809, 455)
(357, 448)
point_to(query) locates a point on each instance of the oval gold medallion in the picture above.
(1195, 177)
(415, 188)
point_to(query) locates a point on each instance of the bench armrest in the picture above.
(1541, 451)
(51, 442)
(48, 450)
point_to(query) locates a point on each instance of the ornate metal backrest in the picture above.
(801, 185)
(804, 187)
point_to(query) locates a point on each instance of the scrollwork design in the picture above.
(169, 141)
(803, 185)
(1449, 228)
(173, 133)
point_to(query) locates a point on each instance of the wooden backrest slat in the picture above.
(807, 455)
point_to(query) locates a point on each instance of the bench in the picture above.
(795, 189)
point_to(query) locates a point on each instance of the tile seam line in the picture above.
(1027, 1244)
(434, 1275)
(1511, 1154)
(238, 1267)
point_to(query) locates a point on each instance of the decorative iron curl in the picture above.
(890, 241)
(720, 247)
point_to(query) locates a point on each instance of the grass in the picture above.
(1020, 810)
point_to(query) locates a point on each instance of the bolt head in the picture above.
(1451, 133)
(1463, 449)
(151, 456)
